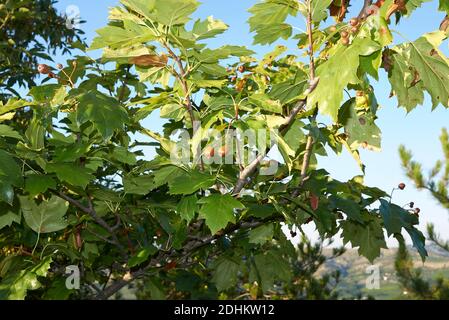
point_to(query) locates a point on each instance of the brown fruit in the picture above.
(43, 69)
(401, 186)
(149, 60)
(354, 29)
(209, 152)
(223, 151)
(59, 66)
(333, 29)
(417, 211)
(354, 22)
(234, 79)
(241, 69)
(344, 41)
(379, 3)
(344, 34)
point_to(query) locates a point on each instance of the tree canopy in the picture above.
(206, 216)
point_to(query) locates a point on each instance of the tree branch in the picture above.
(364, 12)
(251, 168)
(182, 79)
(190, 247)
(91, 211)
(309, 144)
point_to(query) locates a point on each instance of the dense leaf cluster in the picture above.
(76, 187)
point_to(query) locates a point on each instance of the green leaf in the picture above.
(360, 128)
(419, 241)
(187, 207)
(261, 234)
(123, 155)
(71, 173)
(48, 216)
(319, 9)
(289, 91)
(337, 73)
(10, 175)
(402, 80)
(432, 66)
(444, 6)
(174, 12)
(269, 267)
(37, 183)
(141, 256)
(369, 237)
(225, 273)
(264, 102)
(12, 105)
(348, 206)
(7, 131)
(15, 285)
(9, 214)
(395, 218)
(190, 182)
(271, 33)
(294, 137)
(218, 210)
(164, 174)
(412, 5)
(138, 185)
(54, 94)
(268, 20)
(117, 37)
(104, 112)
(208, 28)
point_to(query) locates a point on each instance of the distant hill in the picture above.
(353, 272)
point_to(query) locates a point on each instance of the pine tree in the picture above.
(436, 182)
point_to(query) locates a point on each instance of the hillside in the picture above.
(353, 272)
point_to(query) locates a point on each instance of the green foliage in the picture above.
(30, 31)
(74, 164)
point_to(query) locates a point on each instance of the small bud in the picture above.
(241, 69)
(293, 234)
(417, 211)
(412, 204)
(344, 34)
(401, 186)
(59, 66)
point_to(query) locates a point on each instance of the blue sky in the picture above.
(418, 130)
